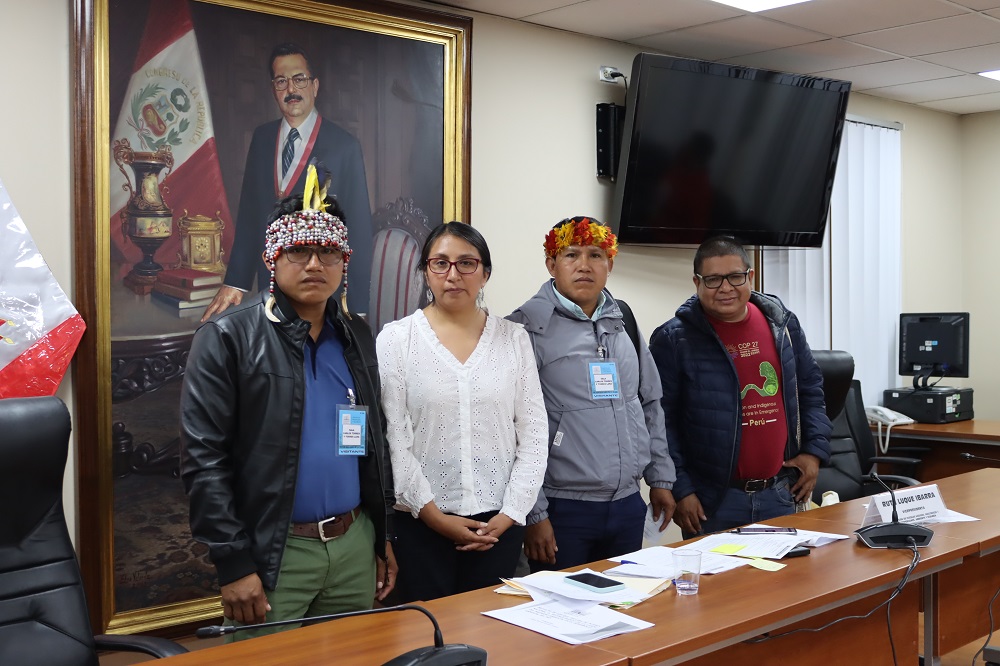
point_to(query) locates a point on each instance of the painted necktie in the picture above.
(288, 152)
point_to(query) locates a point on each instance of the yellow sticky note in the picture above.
(766, 565)
(728, 548)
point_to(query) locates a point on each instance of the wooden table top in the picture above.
(375, 639)
(747, 602)
(973, 493)
(973, 429)
(729, 608)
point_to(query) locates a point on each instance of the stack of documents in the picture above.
(645, 586)
(570, 613)
(658, 562)
(720, 552)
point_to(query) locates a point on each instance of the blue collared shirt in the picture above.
(576, 309)
(328, 484)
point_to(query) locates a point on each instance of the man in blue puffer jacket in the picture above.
(742, 398)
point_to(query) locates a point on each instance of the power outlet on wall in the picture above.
(607, 72)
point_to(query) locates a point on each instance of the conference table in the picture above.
(946, 442)
(954, 599)
(953, 582)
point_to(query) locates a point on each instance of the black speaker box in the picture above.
(610, 120)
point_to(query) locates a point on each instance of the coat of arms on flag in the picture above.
(166, 111)
(39, 327)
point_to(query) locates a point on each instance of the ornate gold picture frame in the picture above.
(395, 77)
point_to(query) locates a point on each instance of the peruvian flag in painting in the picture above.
(39, 327)
(167, 105)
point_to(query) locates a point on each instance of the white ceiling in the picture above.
(924, 52)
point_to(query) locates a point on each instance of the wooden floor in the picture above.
(963, 655)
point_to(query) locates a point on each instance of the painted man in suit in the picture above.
(276, 165)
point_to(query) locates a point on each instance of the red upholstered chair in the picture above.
(397, 289)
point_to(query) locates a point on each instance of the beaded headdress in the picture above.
(582, 231)
(310, 226)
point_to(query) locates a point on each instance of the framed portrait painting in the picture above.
(177, 164)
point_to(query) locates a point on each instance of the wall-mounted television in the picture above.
(933, 344)
(711, 149)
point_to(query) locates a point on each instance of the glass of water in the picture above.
(687, 571)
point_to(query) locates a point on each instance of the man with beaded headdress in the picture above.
(283, 448)
(602, 395)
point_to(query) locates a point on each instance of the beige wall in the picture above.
(34, 145)
(981, 238)
(533, 147)
(534, 93)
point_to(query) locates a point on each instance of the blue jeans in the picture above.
(741, 508)
(591, 531)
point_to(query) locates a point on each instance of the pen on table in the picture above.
(628, 562)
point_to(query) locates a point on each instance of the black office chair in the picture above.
(853, 452)
(43, 612)
(838, 371)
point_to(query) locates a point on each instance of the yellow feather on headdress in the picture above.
(314, 196)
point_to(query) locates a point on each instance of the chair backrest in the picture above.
(43, 611)
(396, 287)
(838, 371)
(861, 432)
(843, 473)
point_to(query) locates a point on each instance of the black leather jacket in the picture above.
(241, 422)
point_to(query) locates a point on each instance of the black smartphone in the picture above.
(798, 551)
(594, 582)
(766, 530)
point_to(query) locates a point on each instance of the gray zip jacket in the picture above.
(598, 449)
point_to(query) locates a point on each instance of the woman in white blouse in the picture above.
(467, 427)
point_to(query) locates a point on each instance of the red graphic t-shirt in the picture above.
(764, 431)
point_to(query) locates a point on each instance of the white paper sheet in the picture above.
(947, 516)
(553, 619)
(816, 539)
(772, 546)
(651, 534)
(658, 562)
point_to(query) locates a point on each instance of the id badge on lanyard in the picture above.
(603, 377)
(352, 428)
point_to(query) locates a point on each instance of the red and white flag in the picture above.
(166, 104)
(39, 327)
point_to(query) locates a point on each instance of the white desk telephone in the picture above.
(884, 416)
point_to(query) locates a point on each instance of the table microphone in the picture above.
(893, 534)
(969, 456)
(438, 655)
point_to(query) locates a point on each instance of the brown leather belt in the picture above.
(331, 528)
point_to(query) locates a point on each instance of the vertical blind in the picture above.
(847, 293)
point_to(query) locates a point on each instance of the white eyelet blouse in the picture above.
(472, 437)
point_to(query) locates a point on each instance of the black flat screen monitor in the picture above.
(711, 149)
(934, 344)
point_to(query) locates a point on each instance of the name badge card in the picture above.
(913, 505)
(352, 424)
(603, 380)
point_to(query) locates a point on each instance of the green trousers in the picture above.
(318, 578)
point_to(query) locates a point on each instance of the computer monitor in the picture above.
(933, 344)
